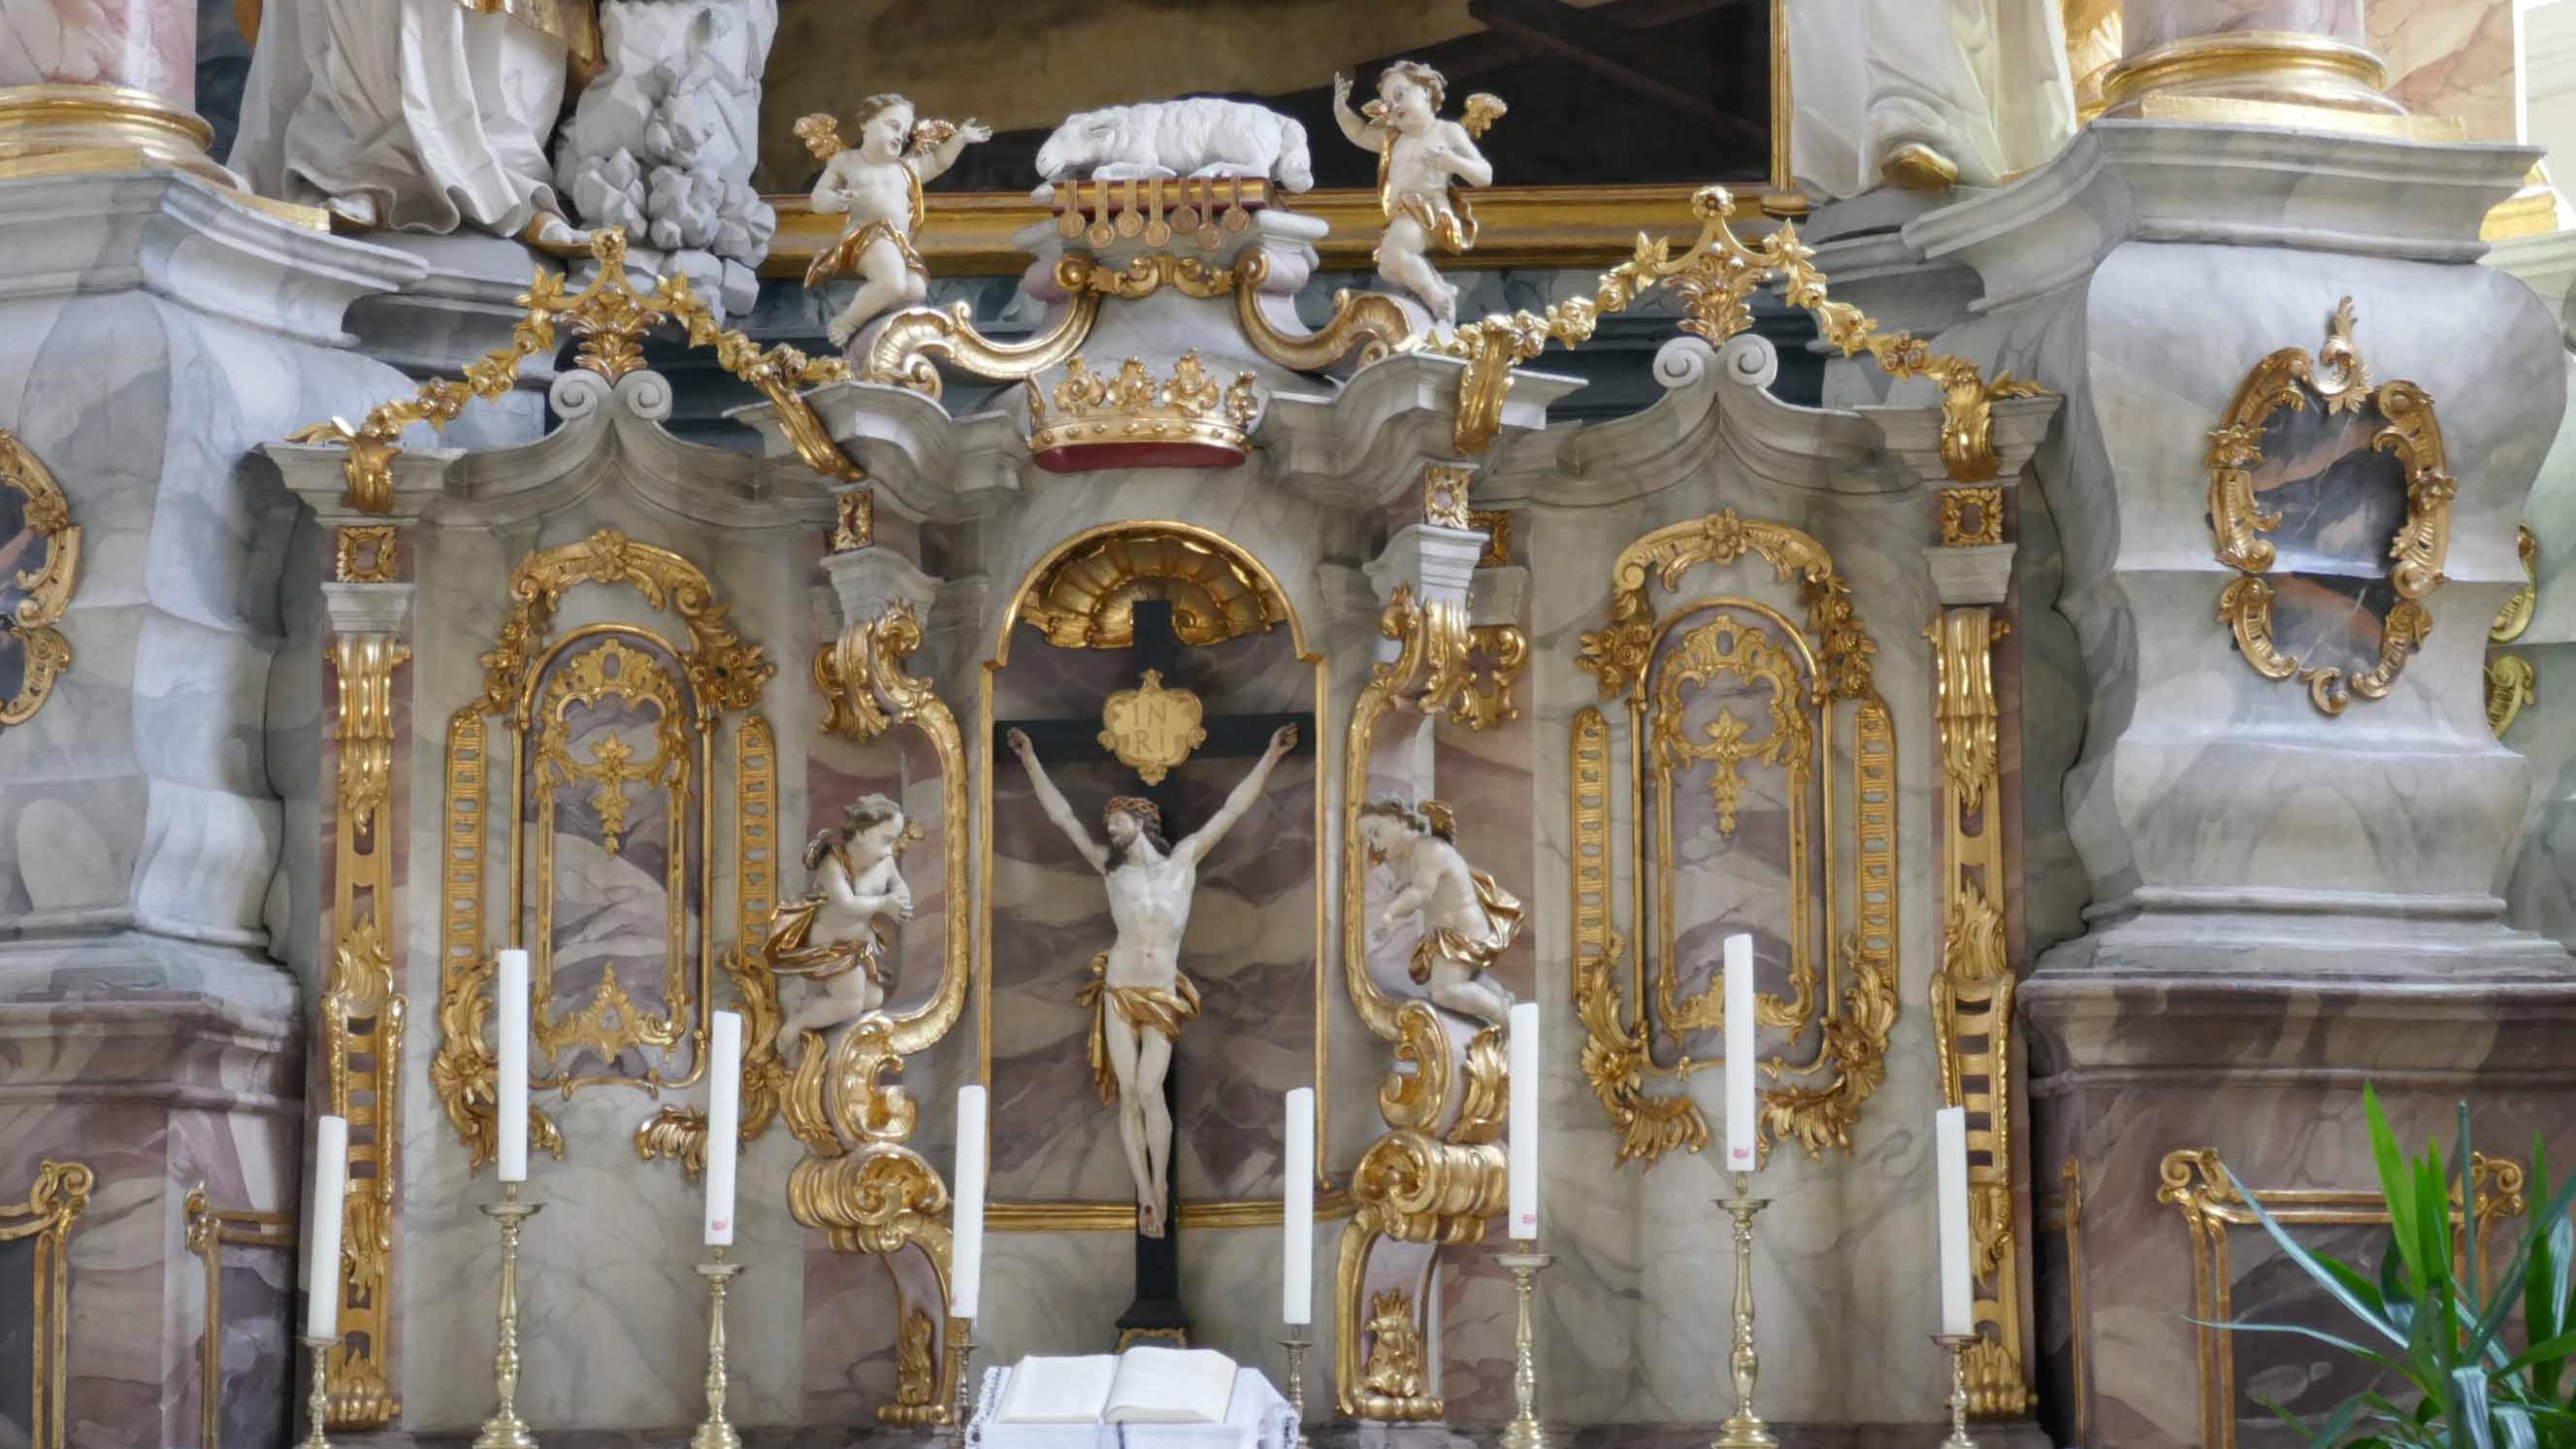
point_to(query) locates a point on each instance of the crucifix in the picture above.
(1140, 998)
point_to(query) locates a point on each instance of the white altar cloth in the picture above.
(1256, 1418)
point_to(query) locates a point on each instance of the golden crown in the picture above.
(1188, 420)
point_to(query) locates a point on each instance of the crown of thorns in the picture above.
(1136, 805)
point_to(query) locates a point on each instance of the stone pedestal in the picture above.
(96, 86)
(2283, 904)
(156, 892)
(2269, 52)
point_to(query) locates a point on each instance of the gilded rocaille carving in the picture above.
(611, 318)
(2408, 430)
(1849, 1002)
(45, 590)
(2512, 680)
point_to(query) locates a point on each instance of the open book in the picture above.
(1144, 1385)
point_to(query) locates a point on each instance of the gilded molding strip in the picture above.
(1078, 1216)
(53, 1205)
(1972, 996)
(362, 1026)
(2410, 431)
(1859, 1004)
(2065, 1214)
(209, 1230)
(910, 341)
(46, 589)
(2194, 1181)
(611, 317)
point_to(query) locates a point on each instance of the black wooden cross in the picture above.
(1156, 1312)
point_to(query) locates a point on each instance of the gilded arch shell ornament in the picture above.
(2399, 420)
(32, 599)
(1851, 1005)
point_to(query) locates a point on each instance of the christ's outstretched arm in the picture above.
(1195, 848)
(1051, 800)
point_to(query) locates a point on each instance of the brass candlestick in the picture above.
(318, 1406)
(1523, 1432)
(715, 1433)
(1956, 1345)
(1295, 1343)
(961, 1352)
(505, 1430)
(1744, 1429)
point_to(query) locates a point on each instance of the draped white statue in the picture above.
(1925, 93)
(417, 115)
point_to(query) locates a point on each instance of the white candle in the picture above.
(967, 1257)
(724, 1125)
(1950, 1151)
(1523, 1124)
(322, 1243)
(1743, 1143)
(510, 1095)
(1297, 1212)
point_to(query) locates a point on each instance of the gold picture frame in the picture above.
(52, 1206)
(208, 1231)
(46, 589)
(2195, 1182)
(2340, 384)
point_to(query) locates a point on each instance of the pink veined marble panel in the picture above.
(149, 45)
(2449, 58)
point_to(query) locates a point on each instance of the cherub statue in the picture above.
(877, 183)
(830, 936)
(1468, 921)
(1138, 996)
(1421, 161)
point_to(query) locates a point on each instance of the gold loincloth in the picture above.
(1450, 224)
(1503, 913)
(841, 258)
(1146, 1008)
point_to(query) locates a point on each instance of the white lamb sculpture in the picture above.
(1201, 136)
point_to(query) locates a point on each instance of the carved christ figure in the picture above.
(830, 936)
(1139, 998)
(1468, 920)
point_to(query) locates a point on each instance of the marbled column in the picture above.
(143, 45)
(2285, 905)
(2148, 25)
(151, 875)
(2310, 53)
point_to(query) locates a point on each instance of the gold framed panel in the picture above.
(44, 591)
(2195, 1182)
(56, 1201)
(717, 673)
(2340, 384)
(1853, 1007)
(1166, 539)
(210, 1230)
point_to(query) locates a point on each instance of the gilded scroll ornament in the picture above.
(1715, 279)
(2512, 680)
(912, 341)
(1435, 672)
(43, 592)
(1849, 1001)
(724, 672)
(1152, 729)
(1394, 1368)
(2407, 430)
(60, 1195)
(611, 318)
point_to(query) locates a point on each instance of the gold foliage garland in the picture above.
(611, 317)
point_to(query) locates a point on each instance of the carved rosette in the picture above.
(1433, 1180)
(1818, 1103)
(2408, 430)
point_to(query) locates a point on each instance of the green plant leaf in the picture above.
(2557, 1348)
(2467, 1410)
(2302, 1330)
(2516, 1424)
(2395, 1182)
(2308, 1261)
(2464, 1170)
